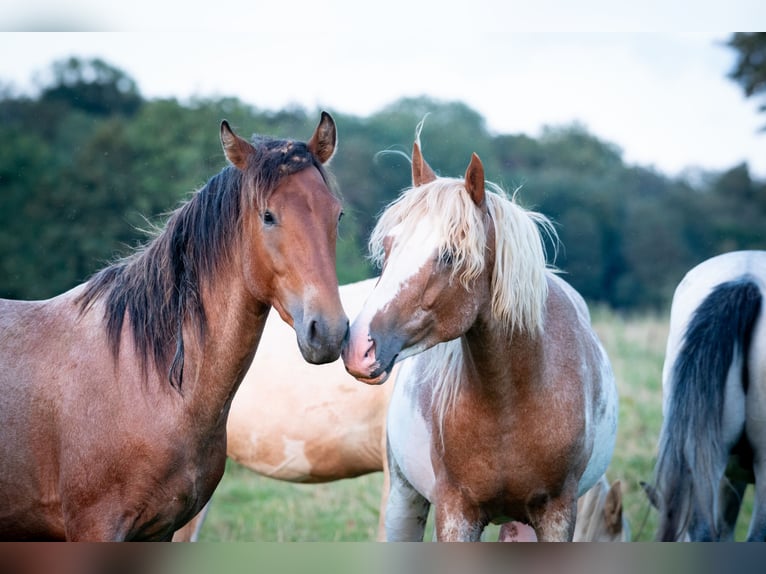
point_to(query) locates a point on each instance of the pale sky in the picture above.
(662, 95)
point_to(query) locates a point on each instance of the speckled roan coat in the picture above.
(529, 421)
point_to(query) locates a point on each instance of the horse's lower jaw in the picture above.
(371, 379)
(379, 380)
(319, 355)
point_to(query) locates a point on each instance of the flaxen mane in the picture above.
(159, 287)
(519, 283)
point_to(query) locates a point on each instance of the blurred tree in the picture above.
(750, 68)
(79, 178)
(92, 86)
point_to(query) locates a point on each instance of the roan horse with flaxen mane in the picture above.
(713, 437)
(114, 395)
(507, 408)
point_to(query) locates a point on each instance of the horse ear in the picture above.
(474, 180)
(236, 149)
(421, 171)
(323, 141)
(613, 508)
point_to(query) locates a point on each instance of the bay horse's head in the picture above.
(290, 232)
(431, 245)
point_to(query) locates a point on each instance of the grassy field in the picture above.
(248, 507)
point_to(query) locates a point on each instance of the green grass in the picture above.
(248, 507)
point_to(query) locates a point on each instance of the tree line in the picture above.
(88, 165)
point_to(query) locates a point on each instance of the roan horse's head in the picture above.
(431, 245)
(290, 234)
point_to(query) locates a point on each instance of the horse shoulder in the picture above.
(409, 427)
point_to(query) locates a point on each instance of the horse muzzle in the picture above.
(319, 339)
(370, 359)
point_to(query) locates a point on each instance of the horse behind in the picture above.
(114, 395)
(713, 436)
(505, 408)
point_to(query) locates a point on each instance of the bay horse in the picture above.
(713, 436)
(506, 409)
(114, 395)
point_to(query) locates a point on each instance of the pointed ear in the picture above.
(474, 180)
(236, 149)
(613, 508)
(323, 141)
(421, 171)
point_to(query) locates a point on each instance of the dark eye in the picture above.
(340, 216)
(268, 218)
(445, 257)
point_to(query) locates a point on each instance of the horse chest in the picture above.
(506, 456)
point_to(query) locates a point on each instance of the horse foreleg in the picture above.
(384, 493)
(457, 524)
(554, 520)
(406, 509)
(455, 519)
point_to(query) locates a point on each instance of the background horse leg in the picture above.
(406, 509)
(516, 532)
(731, 501)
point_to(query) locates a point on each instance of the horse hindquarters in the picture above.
(756, 429)
(704, 414)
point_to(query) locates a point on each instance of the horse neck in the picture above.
(215, 367)
(499, 362)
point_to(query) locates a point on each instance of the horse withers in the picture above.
(114, 395)
(506, 409)
(713, 436)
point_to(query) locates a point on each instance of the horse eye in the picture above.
(445, 258)
(268, 218)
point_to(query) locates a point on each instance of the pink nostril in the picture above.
(370, 350)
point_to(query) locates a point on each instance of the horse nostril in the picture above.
(313, 331)
(370, 350)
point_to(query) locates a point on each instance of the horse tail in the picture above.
(692, 451)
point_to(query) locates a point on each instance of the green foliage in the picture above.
(750, 68)
(92, 86)
(88, 164)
